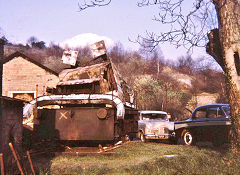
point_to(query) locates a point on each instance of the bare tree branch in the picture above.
(84, 4)
(186, 28)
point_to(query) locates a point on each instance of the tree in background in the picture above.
(156, 94)
(117, 53)
(33, 42)
(155, 56)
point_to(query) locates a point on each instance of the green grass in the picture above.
(148, 158)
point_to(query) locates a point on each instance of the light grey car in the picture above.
(155, 125)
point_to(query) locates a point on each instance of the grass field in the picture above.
(146, 158)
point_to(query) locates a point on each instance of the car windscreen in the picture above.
(154, 116)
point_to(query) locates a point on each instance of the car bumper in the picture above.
(152, 136)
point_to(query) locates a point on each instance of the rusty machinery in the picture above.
(91, 103)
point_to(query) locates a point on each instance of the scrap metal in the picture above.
(89, 103)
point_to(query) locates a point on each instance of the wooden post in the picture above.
(43, 90)
(16, 158)
(2, 164)
(31, 164)
(2, 42)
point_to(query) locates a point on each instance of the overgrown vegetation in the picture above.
(147, 158)
(159, 84)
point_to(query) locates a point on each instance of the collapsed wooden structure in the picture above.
(91, 103)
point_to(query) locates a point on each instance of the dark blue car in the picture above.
(208, 123)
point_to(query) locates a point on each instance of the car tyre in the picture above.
(188, 138)
(142, 137)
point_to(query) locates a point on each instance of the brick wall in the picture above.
(20, 74)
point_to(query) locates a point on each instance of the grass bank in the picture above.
(147, 158)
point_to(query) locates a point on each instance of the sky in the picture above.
(61, 22)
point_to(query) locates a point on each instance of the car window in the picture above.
(226, 109)
(154, 116)
(201, 113)
(213, 112)
(220, 113)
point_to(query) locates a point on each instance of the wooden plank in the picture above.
(31, 164)
(2, 164)
(16, 158)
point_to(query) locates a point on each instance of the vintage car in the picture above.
(154, 125)
(208, 123)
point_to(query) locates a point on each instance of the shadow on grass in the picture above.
(223, 149)
(41, 151)
(42, 155)
(200, 159)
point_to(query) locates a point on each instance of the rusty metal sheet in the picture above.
(98, 49)
(76, 123)
(107, 74)
(70, 57)
(87, 72)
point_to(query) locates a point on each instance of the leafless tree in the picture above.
(83, 4)
(187, 27)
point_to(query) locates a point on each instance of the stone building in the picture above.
(24, 78)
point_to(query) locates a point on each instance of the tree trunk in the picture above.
(228, 12)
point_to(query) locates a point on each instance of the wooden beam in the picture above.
(16, 158)
(2, 164)
(31, 164)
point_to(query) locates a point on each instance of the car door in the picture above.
(217, 123)
(199, 124)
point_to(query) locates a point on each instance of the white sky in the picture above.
(60, 21)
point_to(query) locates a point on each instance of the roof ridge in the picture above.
(28, 58)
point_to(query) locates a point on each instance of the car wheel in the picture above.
(188, 138)
(142, 137)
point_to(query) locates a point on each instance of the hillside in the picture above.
(159, 85)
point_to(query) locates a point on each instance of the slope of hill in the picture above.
(158, 85)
